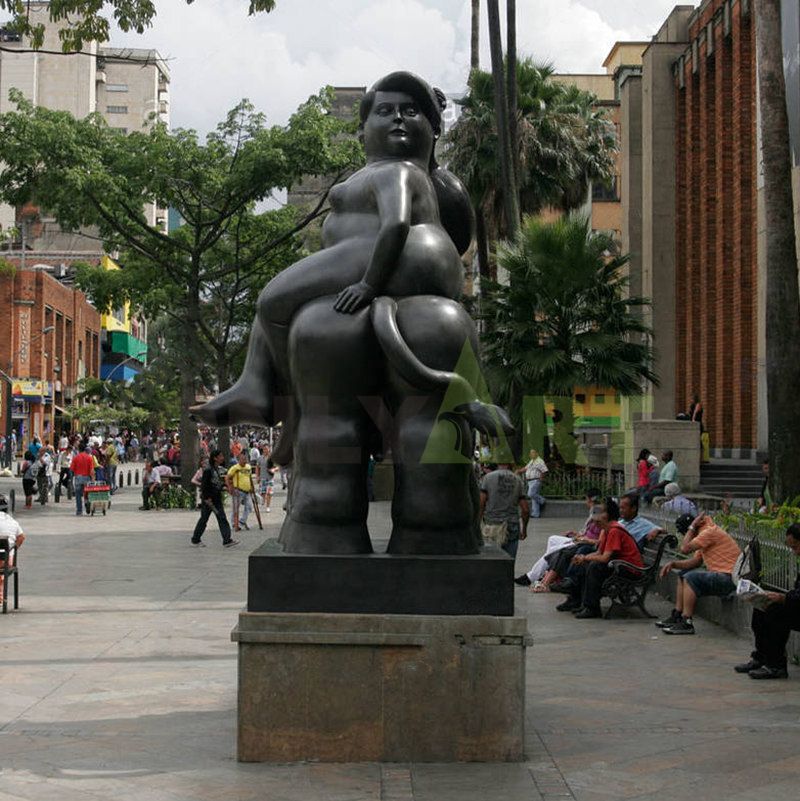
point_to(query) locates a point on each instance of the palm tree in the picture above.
(783, 300)
(475, 35)
(563, 320)
(565, 144)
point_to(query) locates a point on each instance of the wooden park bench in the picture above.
(628, 584)
(10, 567)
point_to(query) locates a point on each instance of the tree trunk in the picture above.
(223, 383)
(482, 241)
(783, 295)
(475, 39)
(511, 86)
(508, 184)
(188, 428)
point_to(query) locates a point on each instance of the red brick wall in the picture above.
(52, 304)
(715, 233)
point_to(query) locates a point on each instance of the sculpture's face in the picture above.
(397, 128)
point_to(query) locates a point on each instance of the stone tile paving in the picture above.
(120, 682)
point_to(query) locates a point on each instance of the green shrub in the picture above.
(176, 497)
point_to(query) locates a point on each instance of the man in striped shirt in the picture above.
(711, 546)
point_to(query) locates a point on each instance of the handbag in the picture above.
(495, 532)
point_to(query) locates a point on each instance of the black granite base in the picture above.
(381, 583)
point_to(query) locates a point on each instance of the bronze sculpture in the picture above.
(361, 340)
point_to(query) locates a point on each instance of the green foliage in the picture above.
(7, 269)
(85, 20)
(93, 415)
(565, 144)
(564, 319)
(769, 527)
(205, 276)
(176, 497)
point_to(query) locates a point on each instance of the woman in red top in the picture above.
(642, 470)
(592, 569)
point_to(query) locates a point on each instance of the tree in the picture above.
(783, 294)
(84, 20)
(563, 320)
(84, 174)
(475, 35)
(505, 152)
(565, 144)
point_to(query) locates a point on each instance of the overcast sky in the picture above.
(218, 55)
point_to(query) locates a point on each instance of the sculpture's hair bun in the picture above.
(440, 96)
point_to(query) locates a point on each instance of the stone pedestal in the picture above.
(392, 688)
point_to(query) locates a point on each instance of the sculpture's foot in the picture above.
(459, 540)
(318, 538)
(245, 402)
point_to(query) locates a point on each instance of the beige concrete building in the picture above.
(129, 87)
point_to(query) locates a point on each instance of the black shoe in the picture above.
(683, 626)
(523, 580)
(197, 544)
(230, 543)
(765, 672)
(673, 618)
(562, 585)
(569, 606)
(587, 613)
(746, 667)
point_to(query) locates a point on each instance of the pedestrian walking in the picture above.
(239, 483)
(211, 502)
(83, 471)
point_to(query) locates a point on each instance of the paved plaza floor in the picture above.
(119, 682)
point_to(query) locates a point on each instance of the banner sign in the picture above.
(26, 389)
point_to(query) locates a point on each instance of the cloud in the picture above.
(217, 54)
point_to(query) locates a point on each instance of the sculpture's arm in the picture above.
(393, 195)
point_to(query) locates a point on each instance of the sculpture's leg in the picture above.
(335, 362)
(434, 509)
(435, 504)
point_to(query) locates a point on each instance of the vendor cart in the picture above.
(97, 496)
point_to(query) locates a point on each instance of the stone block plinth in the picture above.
(380, 688)
(380, 583)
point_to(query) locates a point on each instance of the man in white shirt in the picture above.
(534, 472)
(12, 531)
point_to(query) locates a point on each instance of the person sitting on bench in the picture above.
(592, 568)
(771, 626)
(711, 545)
(10, 530)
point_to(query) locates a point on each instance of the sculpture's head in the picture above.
(401, 117)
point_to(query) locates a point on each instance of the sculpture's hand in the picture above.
(354, 297)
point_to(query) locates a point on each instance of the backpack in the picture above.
(748, 565)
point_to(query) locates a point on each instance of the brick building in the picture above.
(716, 255)
(45, 367)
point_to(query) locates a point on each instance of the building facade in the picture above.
(49, 340)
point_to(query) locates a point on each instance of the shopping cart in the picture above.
(97, 496)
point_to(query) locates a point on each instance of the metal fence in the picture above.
(563, 484)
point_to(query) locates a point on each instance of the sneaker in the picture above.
(683, 626)
(765, 672)
(198, 544)
(230, 543)
(569, 606)
(245, 526)
(587, 613)
(523, 580)
(268, 510)
(674, 617)
(747, 667)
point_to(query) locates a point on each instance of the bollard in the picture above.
(136, 479)
(130, 476)
(12, 499)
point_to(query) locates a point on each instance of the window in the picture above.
(599, 399)
(602, 193)
(116, 87)
(580, 397)
(117, 109)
